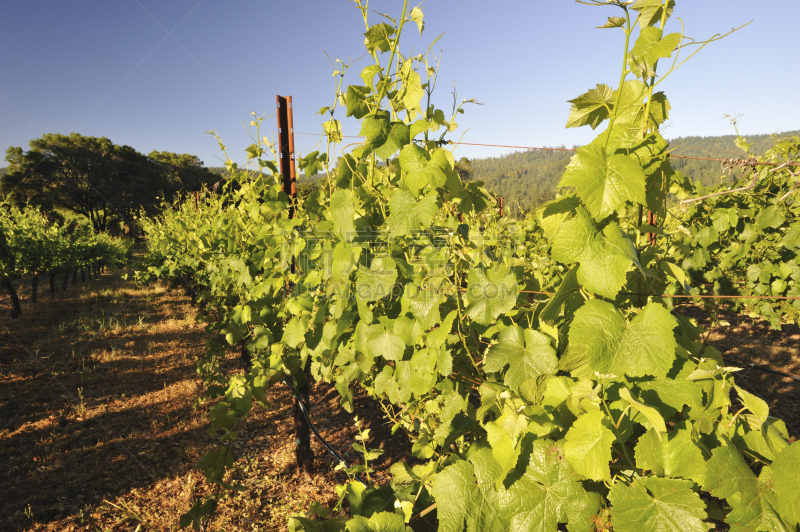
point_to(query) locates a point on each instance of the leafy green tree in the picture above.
(181, 171)
(94, 177)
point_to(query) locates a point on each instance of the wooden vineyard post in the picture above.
(302, 433)
(500, 203)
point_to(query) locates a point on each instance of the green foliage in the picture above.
(748, 243)
(32, 245)
(595, 408)
(97, 178)
(528, 179)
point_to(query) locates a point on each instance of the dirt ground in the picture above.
(99, 431)
(752, 345)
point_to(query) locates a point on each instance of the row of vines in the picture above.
(743, 239)
(536, 365)
(32, 246)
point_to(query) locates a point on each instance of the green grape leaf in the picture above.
(649, 48)
(613, 22)
(591, 108)
(433, 175)
(417, 16)
(412, 90)
(786, 479)
(573, 237)
(756, 405)
(604, 264)
(657, 504)
(645, 346)
(604, 259)
(553, 214)
(630, 106)
(420, 126)
(752, 499)
(420, 169)
(464, 504)
(343, 209)
(344, 261)
(397, 138)
(648, 345)
(294, 333)
(527, 353)
(376, 129)
(597, 326)
(355, 101)
(604, 183)
(424, 305)
(368, 75)
(379, 342)
(677, 455)
(503, 434)
(548, 493)
(378, 281)
(568, 291)
(377, 37)
(413, 158)
(408, 215)
(490, 292)
(770, 218)
(651, 11)
(588, 446)
(377, 522)
(659, 108)
(651, 414)
(649, 153)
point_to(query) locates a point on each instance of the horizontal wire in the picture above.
(721, 160)
(688, 296)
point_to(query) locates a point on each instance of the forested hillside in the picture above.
(529, 178)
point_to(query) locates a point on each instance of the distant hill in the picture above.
(529, 178)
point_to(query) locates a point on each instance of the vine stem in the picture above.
(646, 117)
(394, 51)
(625, 73)
(616, 433)
(458, 328)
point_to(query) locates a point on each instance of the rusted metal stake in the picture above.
(286, 149)
(302, 433)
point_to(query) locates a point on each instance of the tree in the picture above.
(181, 171)
(464, 169)
(97, 178)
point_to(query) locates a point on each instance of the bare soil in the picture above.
(100, 429)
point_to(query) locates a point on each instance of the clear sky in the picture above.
(158, 75)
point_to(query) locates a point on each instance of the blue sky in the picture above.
(158, 75)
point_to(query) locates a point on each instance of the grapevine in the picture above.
(593, 408)
(32, 246)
